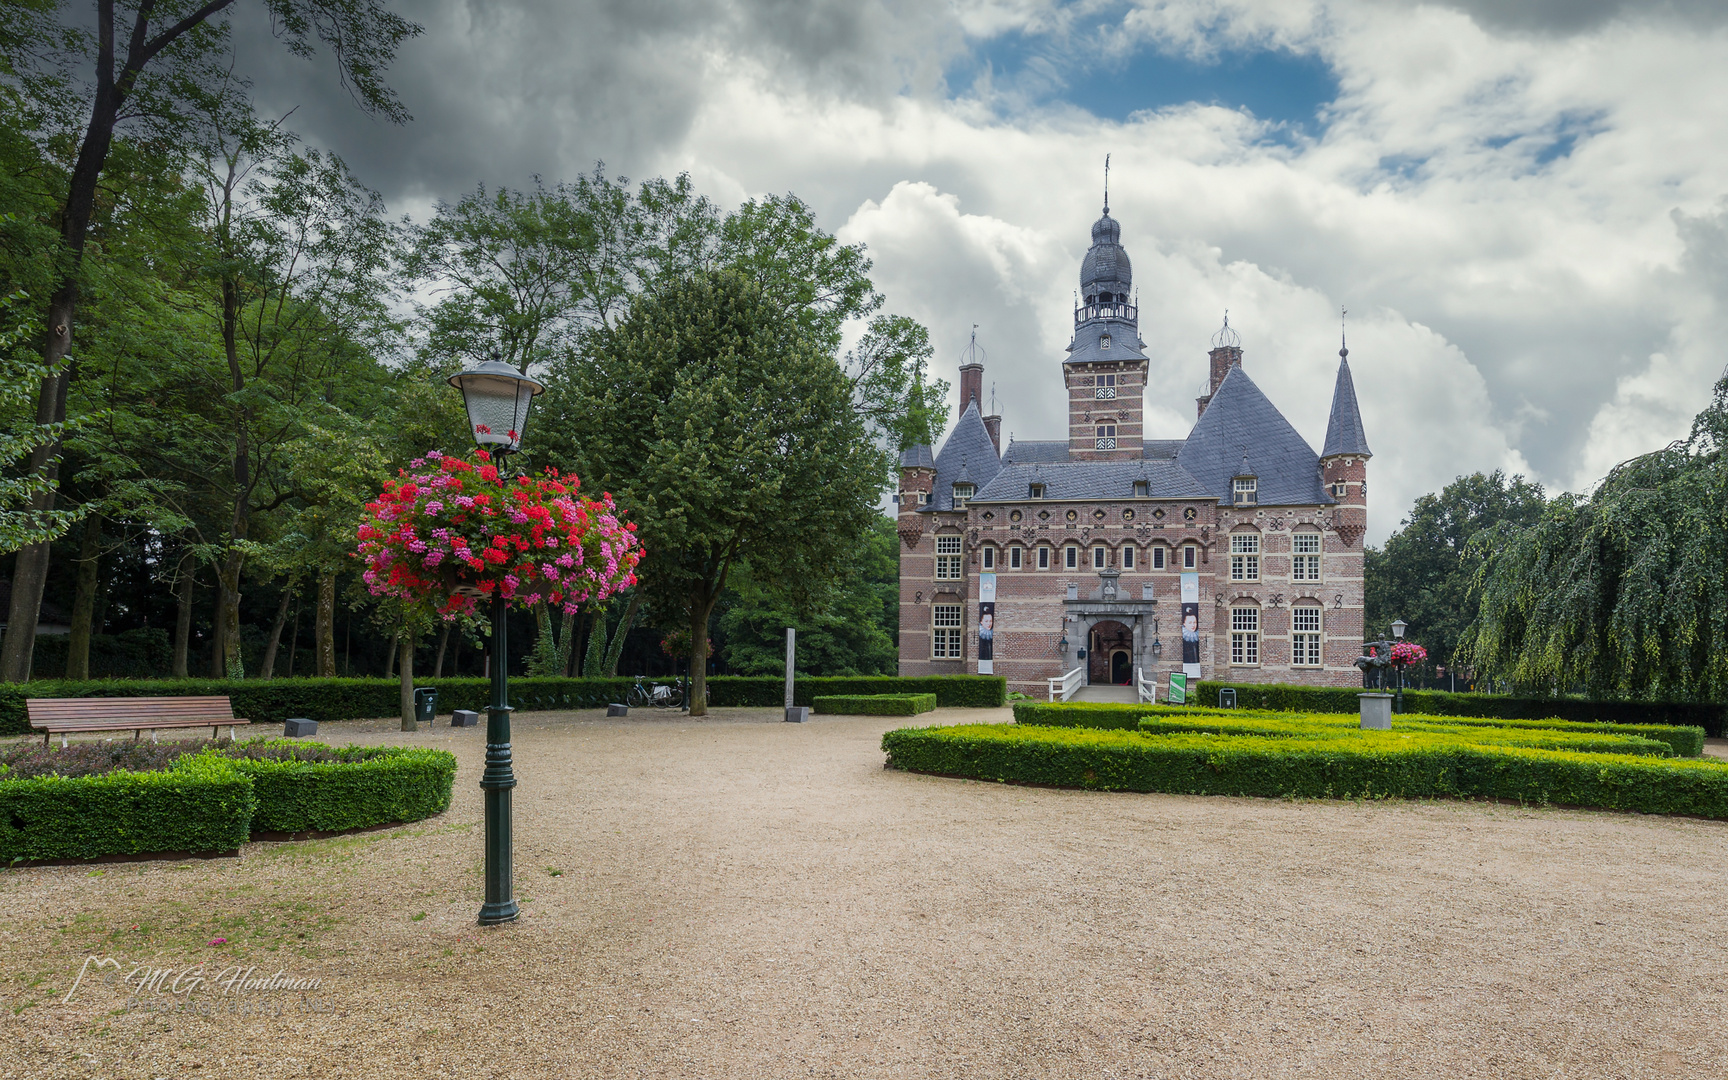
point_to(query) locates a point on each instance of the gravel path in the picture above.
(743, 898)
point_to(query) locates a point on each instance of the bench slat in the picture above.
(129, 714)
(142, 725)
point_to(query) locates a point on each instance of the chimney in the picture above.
(994, 425)
(1200, 404)
(971, 386)
(1224, 358)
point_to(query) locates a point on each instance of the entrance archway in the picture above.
(1121, 668)
(1108, 638)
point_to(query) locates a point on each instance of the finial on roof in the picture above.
(1343, 345)
(992, 397)
(974, 354)
(1106, 183)
(1226, 338)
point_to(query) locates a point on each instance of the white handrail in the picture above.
(1148, 691)
(1065, 685)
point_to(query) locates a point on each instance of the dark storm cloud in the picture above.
(502, 90)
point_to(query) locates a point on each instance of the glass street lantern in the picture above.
(1398, 626)
(497, 397)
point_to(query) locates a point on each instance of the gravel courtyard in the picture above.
(738, 897)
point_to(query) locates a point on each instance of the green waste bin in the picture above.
(426, 704)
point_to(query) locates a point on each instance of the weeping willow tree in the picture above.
(1623, 593)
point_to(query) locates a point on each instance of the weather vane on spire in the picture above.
(1343, 344)
(1106, 183)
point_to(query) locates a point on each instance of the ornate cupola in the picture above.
(1105, 369)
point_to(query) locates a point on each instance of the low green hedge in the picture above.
(1367, 765)
(202, 803)
(211, 801)
(1685, 741)
(1328, 727)
(270, 701)
(874, 704)
(1713, 718)
(374, 786)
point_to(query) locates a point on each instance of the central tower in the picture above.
(1106, 370)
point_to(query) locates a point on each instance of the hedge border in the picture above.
(1285, 768)
(270, 701)
(404, 783)
(874, 704)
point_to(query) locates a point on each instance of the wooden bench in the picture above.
(63, 716)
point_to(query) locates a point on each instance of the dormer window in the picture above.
(1034, 491)
(962, 492)
(1142, 489)
(1104, 342)
(923, 497)
(1247, 490)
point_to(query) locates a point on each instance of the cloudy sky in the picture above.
(1522, 203)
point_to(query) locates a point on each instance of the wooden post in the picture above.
(794, 715)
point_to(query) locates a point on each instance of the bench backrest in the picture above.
(49, 710)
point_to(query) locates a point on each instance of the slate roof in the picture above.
(1106, 261)
(1243, 433)
(1095, 480)
(919, 456)
(1344, 434)
(1087, 347)
(969, 456)
(1021, 452)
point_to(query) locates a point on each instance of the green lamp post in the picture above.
(498, 397)
(1398, 628)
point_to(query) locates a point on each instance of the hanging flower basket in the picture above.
(1405, 653)
(453, 531)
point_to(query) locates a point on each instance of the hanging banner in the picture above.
(1191, 625)
(986, 624)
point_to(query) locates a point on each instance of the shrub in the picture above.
(874, 704)
(1366, 765)
(361, 787)
(203, 802)
(1713, 718)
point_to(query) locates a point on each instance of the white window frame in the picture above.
(1043, 556)
(1015, 557)
(1246, 490)
(1128, 557)
(1307, 646)
(946, 631)
(1245, 556)
(923, 498)
(1099, 556)
(948, 558)
(1034, 491)
(1104, 341)
(1071, 557)
(1305, 564)
(962, 494)
(1341, 490)
(988, 557)
(1158, 556)
(1190, 556)
(1142, 489)
(1244, 637)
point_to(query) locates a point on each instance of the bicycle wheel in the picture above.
(674, 698)
(637, 698)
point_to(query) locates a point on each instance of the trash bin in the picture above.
(1226, 697)
(425, 704)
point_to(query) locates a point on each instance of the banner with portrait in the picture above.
(986, 624)
(1191, 625)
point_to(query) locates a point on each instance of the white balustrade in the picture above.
(1063, 687)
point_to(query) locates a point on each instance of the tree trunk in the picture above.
(225, 661)
(293, 641)
(390, 656)
(84, 600)
(567, 644)
(30, 571)
(183, 617)
(408, 721)
(267, 669)
(596, 654)
(456, 657)
(438, 661)
(616, 651)
(700, 609)
(324, 627)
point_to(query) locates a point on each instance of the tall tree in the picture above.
(153, 65)
(1620, 593)
(1423, 573)
(731, 437)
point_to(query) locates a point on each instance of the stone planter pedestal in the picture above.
(1376, 711)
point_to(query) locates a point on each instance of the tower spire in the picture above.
(1343, 345)
(1106, 183)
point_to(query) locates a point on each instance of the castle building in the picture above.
(1234, 554)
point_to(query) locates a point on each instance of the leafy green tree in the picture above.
(155, 67)
(848, 629)
(1620, 593)
(732, 440)
(1423, 573)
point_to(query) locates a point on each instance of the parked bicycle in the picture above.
(660, 696)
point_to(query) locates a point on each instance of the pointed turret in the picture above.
(1344, 434)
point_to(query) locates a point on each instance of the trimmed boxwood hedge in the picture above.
(371, 786)
(201, 803)
(1713, 718)
(1685, 741)
(324, 700)
(210, 801)
(1368, 765)
(874, 704)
